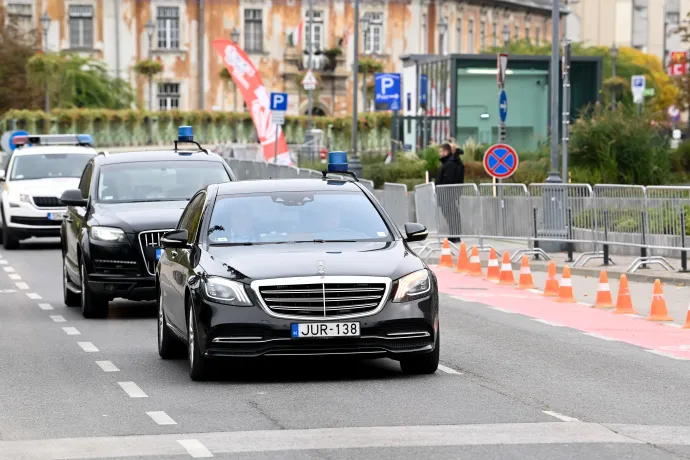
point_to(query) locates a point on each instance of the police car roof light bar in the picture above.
(83, 140)
(337, 164)
(185, 135)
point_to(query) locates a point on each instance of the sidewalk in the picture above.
(585, 279)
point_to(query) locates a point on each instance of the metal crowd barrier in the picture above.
(634, 219)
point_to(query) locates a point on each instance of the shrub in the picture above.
(398, 171)
(621, 146)
(680, 158)
(432, 160)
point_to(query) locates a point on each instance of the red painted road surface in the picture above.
(660, 338)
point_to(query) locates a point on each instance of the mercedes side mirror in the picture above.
(415, 232)
(73, 198)
(175, 239)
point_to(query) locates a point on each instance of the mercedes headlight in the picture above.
(416, 284)
(226, 291)
(108, 234)
(15, 199)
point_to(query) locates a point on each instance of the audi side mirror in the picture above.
(175, 239)
(73, 198)
(415, 232)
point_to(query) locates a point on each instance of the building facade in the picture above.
(275, 35)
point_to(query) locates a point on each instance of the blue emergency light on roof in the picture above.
(185, 134)
(337, 161)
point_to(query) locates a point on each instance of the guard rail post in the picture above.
(683, 252)
(606, 237)
(570, 235)
(536, 234)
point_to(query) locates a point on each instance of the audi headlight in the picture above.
(415, 285)
(226, 291)
(108, 234)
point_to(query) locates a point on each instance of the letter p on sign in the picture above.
(279, 102)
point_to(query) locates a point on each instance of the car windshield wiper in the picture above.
(322, 241)
(247, 243)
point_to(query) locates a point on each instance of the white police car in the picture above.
(39, 170)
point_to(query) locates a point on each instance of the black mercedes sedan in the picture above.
(110, 236)
(294, 267)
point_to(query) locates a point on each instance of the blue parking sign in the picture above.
(387, 90)
(279, 102)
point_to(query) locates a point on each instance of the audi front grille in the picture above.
(149, 241)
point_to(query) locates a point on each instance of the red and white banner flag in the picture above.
(254, 93)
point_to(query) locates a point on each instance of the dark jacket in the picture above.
(452, 170)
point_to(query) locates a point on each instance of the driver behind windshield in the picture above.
(237, 226)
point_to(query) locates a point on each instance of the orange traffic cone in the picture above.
(446, 256)
(687, 320)
(551, 288)
(525, 275)
(658, 311)
(506, 277)
(624, 301)
(493, 273)
(475, 263)
(565, 291)
(463, 261)
(604, 299)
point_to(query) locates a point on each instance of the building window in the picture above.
(81, 26)
(516, 33)
(424, 35)
(458, 35)
(527, 33)
(494, 31)
(482, 35)
(373, 40)
(19, 17)
(470, 36)
(253, 30)
(537, 36)
(317, 24)
(168, 18)
(168, 96)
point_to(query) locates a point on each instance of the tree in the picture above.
(16, 92)
(628, 63)
(77, 82)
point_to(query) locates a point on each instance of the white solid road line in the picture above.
(548, 323)
(22, 285)
(502, 310)
(33, 296)
(107, 366)
(8, 269)
(562, 417)
(667, 355)
(45, 306)
(161, 418)
(71, 331)
(448, 370)
(597, 336)
(195, 448)
(88, 347)
(14, 277)
(58, 319)
(132, 390)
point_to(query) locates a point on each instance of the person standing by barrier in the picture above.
(452, 171)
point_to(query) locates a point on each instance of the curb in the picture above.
(594, 272)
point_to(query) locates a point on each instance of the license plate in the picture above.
(55, 215)
(300, 331)
(158, 253)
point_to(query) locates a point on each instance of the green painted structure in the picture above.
(471, 81)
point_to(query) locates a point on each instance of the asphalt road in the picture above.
(510, 387)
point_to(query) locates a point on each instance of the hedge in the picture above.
(130, 127)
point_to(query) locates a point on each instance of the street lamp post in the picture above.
(150, 27)
(614, 57)
(45, 25)
(442, 29)
(553, 176)
(365, 32)
(235, 37)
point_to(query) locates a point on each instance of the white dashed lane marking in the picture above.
(71, 331)
(107, 366)
(132, 390)
(58, 319)
(45, 306)
(548, 323)
(8, 269)
(22, 285)
(33, 296)
(161, 418)
(448, 370)
(3, 262)
(195, 448)
(88, 347)
(14, 277)
(561, 417)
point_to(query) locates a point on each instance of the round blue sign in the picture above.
(500, 161)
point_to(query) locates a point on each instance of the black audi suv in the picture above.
(294, 267)
(111, 233)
